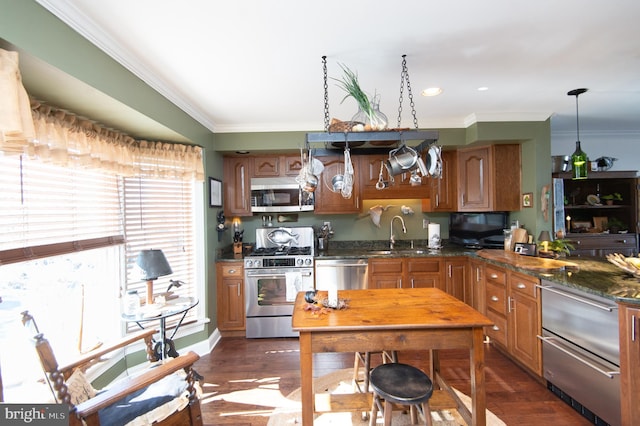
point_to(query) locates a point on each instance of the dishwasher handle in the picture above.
(571, 296)
(340, 265)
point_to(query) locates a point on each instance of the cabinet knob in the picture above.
(495, 298)
(232, 271)
(496, 328)
(494, 276)
(522, 285)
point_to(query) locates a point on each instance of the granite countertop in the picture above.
(592, 275)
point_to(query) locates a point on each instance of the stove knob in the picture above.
(308, 262)
(248, 263)
(299, 261)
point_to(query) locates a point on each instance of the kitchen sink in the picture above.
(398, 252)
(380, 252)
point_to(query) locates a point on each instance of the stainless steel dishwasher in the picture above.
(342, 274)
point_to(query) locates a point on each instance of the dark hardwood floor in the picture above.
(246, 378)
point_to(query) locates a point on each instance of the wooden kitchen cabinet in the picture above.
(267, 166)
(276, 165)
(399, 272)
(230, 296)
(457, 281)
(329, 202)
(496, 299)
(524, 322)
(444, 191)
(600, 245)
(369, 171)
(424, 272)
(385, 273)
(513, 304)
(237, 172)
(489, 178)
(476, 278)
(629, 328)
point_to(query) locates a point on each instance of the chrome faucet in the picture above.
(392, 238)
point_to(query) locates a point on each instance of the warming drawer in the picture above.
(590, 380)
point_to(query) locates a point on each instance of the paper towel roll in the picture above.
(434, 235)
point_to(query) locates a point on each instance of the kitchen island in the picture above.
(393, 319)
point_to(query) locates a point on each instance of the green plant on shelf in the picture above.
(616, 196)
(615, 225)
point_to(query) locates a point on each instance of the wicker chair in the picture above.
(128, 398)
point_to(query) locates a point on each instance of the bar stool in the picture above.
(401, 384)
(364, 359)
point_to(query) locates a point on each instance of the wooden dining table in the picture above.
(391, 319)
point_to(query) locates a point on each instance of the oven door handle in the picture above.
(577, 298)
(275, 275)
(550, 341)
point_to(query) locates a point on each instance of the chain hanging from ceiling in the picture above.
(326, 95)
(404, 76)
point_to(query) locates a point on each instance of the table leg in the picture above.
(434, 365)
(162, 338)
(306, 379)
(478, 396)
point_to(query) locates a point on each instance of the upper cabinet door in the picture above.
(489, 178)
(265, 166)
(474, 179)
(329, 202)
(444, 190)
(237, 186)
(399, 187)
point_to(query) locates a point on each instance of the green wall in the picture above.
(27, 25)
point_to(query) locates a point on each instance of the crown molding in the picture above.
(86, 27)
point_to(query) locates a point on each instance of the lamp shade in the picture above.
(153, 264)
(544, 236)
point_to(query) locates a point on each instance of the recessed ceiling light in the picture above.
(483, 89)
(432, 91)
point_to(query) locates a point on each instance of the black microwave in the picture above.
(280, 194)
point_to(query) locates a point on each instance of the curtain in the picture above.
(16, 124)
(59, 137)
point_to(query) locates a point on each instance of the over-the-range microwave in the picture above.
(279, 194)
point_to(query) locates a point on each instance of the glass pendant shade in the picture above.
(580, 162)
(579, 159)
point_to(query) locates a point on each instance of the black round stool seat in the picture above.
(401, 383)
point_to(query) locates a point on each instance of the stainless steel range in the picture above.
(280, 266)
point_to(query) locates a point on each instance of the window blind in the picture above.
(160, 215)
(48, 210)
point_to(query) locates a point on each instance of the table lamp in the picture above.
(153, 265)
(544, 238)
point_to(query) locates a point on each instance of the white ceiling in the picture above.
(255, 65)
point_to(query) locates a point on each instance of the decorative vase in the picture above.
(374, 120)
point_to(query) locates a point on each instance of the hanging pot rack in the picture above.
(427, 137)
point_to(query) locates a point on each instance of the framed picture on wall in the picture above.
(215, 193)
(527, 199)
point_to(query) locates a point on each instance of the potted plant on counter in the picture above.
(557, 248)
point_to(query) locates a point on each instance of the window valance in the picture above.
(62, 138)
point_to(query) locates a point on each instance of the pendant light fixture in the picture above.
(579, 159)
